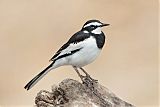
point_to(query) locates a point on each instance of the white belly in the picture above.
(86, 55)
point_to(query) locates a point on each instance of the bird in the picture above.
(80, 50)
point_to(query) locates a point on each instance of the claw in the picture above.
(88, 76)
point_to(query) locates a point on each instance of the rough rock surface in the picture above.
(71, 93)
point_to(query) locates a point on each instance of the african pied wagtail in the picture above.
(81, 49)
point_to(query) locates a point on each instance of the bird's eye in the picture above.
(92, 27)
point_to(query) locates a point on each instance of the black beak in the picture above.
(104, 25)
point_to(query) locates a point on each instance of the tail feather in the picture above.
(38, 77)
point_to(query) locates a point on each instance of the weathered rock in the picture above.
(71, 93)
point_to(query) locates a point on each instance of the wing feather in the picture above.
(70, 45)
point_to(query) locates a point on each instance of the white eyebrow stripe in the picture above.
(93, 23)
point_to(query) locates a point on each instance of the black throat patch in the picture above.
(100, 39)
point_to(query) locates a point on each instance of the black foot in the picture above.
(88, 76)
(93, 80)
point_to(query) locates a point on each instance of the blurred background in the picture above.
(31, 31)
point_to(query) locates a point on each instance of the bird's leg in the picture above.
(81, 76)
(87, 75)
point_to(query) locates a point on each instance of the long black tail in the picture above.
(38, 77)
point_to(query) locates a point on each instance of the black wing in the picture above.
(77, 37)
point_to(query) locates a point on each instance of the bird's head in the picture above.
(93, 26)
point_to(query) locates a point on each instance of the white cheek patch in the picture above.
(97, 30)
(93, 23)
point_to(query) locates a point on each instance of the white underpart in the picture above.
(93, 23)
(86, 55)
(97, 30)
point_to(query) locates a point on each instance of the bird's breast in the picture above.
(86, 55)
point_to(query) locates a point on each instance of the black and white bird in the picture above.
(81, 49)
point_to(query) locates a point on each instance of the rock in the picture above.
(71, 93)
